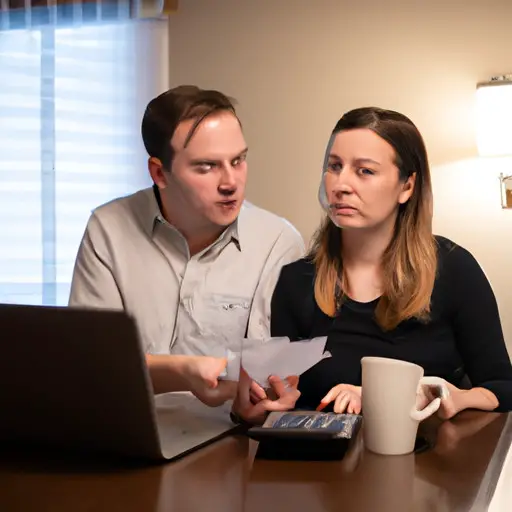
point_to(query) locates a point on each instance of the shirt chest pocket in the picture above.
(222, 316)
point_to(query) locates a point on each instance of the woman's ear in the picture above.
(407, 189)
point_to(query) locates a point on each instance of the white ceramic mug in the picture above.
(389, 398)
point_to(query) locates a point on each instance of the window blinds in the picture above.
(71, 102)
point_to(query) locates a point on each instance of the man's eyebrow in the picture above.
(199, 161)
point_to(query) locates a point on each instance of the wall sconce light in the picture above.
(494, 126)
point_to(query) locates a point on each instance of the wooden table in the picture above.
(459, 473)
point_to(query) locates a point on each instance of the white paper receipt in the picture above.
(275, 356)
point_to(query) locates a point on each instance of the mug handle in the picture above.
(432, 407)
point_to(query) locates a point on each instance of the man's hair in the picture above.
(165, 112)
(410, 261)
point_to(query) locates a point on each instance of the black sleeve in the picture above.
(292, 308)
(284, 319)
(477, 327)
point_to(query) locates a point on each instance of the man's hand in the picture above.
(253, 403)
(202, 376)
(197, 374)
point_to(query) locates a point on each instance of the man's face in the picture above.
(206, 184)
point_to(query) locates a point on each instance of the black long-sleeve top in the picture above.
(463, 338)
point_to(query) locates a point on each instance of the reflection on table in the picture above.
(461, 471)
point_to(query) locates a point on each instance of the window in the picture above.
(71, 102)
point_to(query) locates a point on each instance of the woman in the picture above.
(379, 283)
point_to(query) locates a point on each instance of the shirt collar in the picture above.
(154, 215)
(151, 211)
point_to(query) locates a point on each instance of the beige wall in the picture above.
(296, 65)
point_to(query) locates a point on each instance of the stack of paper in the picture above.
(276, 356)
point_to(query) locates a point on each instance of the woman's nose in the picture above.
(341, 185)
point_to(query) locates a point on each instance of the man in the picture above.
(190, 260)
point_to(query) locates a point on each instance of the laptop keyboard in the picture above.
(185, 423)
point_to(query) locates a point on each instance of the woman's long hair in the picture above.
(409, 263)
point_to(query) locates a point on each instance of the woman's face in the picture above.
(362, 180)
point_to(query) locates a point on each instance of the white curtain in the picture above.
(71, 102)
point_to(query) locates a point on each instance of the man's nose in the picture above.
(227, 183)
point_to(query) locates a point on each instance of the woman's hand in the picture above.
(345, 397)
(451, 434)
(253, 403)
(458, 399)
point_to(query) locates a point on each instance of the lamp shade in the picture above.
(494, 118)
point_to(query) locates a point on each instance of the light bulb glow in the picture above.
(494, 119)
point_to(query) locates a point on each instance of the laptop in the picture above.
(76, 379)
